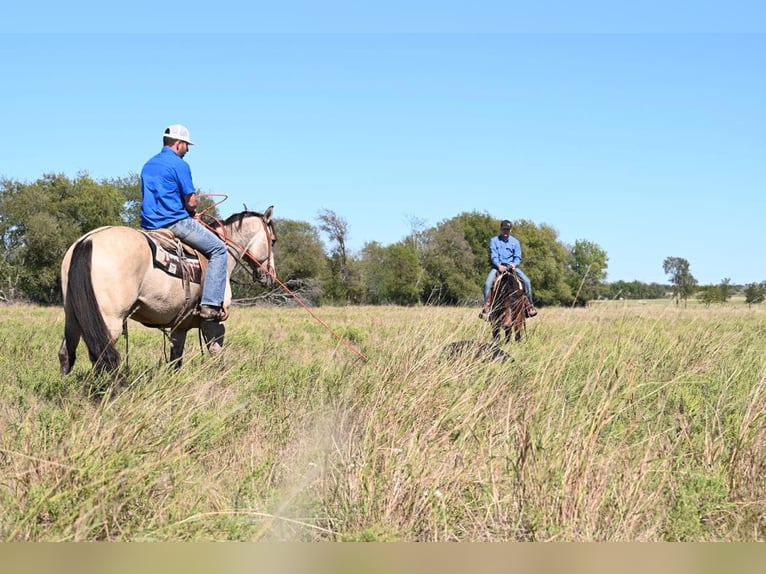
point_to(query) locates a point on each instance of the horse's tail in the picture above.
(93, 329)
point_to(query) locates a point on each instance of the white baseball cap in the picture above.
(178, 132)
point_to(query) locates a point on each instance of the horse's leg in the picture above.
(98, 328)
(213, 334)
(519, 322)
(68, 350)
(177, 343)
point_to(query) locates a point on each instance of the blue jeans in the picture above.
(195, 235)
(491, 279)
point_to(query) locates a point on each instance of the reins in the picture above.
(244, 253)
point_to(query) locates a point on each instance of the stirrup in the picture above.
(210, 313)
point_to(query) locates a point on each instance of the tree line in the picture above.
(443, 265)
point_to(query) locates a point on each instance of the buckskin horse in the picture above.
(507, 308)
(113, 274)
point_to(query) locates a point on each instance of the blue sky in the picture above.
(642, 130)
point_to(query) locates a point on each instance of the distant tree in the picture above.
(478, 229)
(449, 265)
(755, 293)
(587, 271)
(681, 279)
(300, 262)
(634, 290)
(130, 189)
(299, 252)
(336, 229)
(724, 290)
(39, 220)
(708, 294)
(391, 274)
(417, 228)
(545, 261)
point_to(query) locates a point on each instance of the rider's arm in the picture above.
(190, 203)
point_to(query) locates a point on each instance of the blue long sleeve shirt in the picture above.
(165, 182)
(502, 252)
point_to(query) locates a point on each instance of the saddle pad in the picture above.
(186, 266)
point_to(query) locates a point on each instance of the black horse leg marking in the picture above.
(177, 344)
(213, 333)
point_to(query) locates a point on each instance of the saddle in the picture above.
(173, 257)
(176, 259)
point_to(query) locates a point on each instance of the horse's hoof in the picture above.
(215, 349)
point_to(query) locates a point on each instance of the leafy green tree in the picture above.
(724, 290)
(449, 265)
(299, 251)
(478, 229)
(391, 274)
(755, 293)
(708, 294)
(545, 261)
(720, 293)
(587, 270)
(634, 290)
(39, 220)
(336, 284)
(300, 261)
(448, 277)
(130, 189)
(681, 279)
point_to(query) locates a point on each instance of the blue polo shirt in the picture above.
(165, 181)
(506, 252)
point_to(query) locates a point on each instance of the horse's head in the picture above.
(252, 235)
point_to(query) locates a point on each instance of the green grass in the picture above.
(624, 421)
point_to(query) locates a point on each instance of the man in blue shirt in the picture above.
(168, 200)
(505, 253)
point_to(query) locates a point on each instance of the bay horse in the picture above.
(507, 307)
(111, 274)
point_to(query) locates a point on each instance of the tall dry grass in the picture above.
(625, 421)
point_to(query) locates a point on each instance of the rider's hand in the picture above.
(190, 204)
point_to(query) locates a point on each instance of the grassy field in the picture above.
(625, 421)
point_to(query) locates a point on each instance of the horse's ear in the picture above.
(245, 206)
(267, 214)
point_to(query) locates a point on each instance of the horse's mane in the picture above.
(237, 218)
(508, 286)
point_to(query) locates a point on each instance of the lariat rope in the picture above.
(241, 252)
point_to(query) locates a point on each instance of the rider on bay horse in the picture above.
(504, 254)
